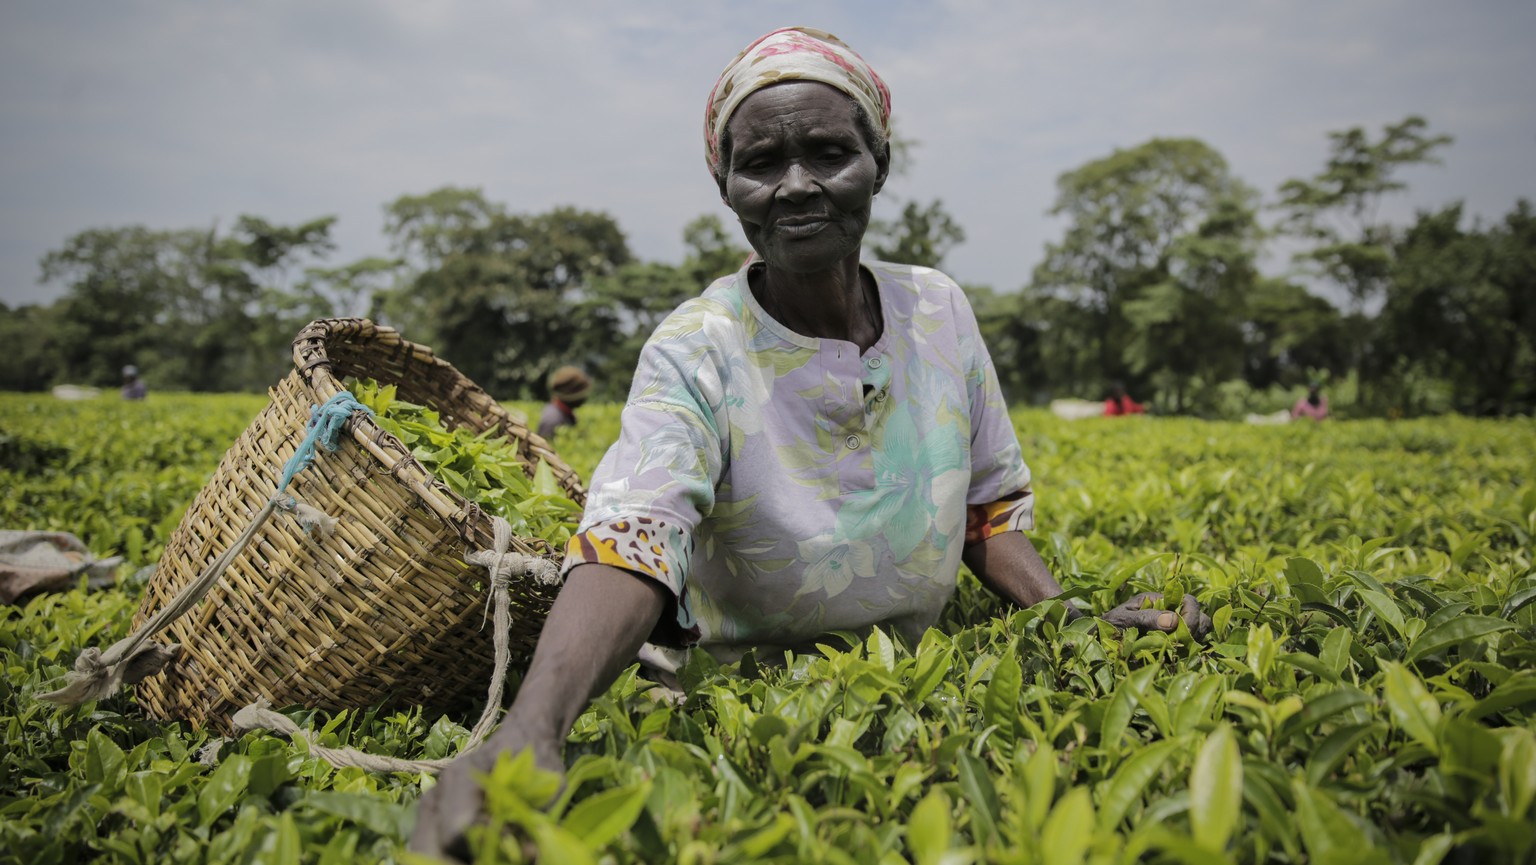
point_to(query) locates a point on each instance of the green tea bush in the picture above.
(1368, 694)
(483, 468)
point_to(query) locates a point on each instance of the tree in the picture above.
(496, 292)
(1336, 209)
(627, 305)
(352, 290)
(921, 236)
(123, 288)
(1290, 333)
(193, 309)
(712, 251)
(32, 357)
(1157, 257)
(250, 304)
(1461, 308)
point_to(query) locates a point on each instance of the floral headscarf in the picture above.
(793, 54)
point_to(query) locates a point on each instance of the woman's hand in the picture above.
(597, 624)
(445, 812)
(1140, 614)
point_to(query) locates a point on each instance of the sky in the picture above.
(187, 113)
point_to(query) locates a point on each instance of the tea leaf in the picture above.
(1454, 632)
(1069, 829)
(224, 788)
(1216, 789)
(606, 815)
(1413, 708)
(928, 829)
(1131, 779)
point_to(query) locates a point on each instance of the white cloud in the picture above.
(175, 114)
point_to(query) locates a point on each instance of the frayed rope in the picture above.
(503, 565)
(99, 674)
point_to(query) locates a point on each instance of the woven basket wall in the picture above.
(383, 612)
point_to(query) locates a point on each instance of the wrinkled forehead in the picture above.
(789, 101)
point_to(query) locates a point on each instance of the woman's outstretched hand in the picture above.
(445, 812)
(569, 666)
(1132, 615)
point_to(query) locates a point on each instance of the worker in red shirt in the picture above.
(1120, 402)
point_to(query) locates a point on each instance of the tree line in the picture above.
(1155, 283)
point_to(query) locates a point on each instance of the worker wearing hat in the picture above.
(133, 386)
(568, 389)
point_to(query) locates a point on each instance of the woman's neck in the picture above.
(841, 303)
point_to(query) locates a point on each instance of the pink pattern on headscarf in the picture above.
(789, 54)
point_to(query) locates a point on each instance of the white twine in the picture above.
(99, 674)
(502, 564)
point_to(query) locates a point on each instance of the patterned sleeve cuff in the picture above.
(651, 548)
(1014, 512)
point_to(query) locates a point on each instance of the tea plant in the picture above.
(1368, 694)
(483, 468)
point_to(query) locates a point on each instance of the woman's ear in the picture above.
(882, 165)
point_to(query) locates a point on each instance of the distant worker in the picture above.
(1120, 403)
(568, 388)
(1314, 405)
(133, 386)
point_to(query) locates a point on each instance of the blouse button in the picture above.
(853, 442)
(875, 363)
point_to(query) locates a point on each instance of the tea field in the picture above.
(1368, 694)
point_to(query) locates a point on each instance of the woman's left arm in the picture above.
(996, 550)
(1008, 564)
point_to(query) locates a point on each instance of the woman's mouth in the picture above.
(801, 226)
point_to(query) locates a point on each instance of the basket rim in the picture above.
(471, 522)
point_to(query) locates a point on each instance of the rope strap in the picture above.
(502, 564)
(99, 674)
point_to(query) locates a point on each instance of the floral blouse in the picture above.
(783, 486)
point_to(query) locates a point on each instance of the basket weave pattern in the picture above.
(382, 612)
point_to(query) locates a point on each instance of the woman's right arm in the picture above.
(598, 622)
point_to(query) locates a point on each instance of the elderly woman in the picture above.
(814, 444)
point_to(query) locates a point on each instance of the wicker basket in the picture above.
(382, 612)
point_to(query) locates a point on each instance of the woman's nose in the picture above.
(798, 183)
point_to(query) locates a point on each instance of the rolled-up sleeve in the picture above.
(654, 485)
(1000, 498)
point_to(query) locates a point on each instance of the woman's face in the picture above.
(801, 176)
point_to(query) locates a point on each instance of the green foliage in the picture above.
(1149, 282)
(1154, 284)
(118, 474)
(920, 236)
(1366, 696)
(30, 335)
(1291, 333)
(1459, 311)
(199, 310)
(483, 468)
(498, 292)
(1337, 208)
